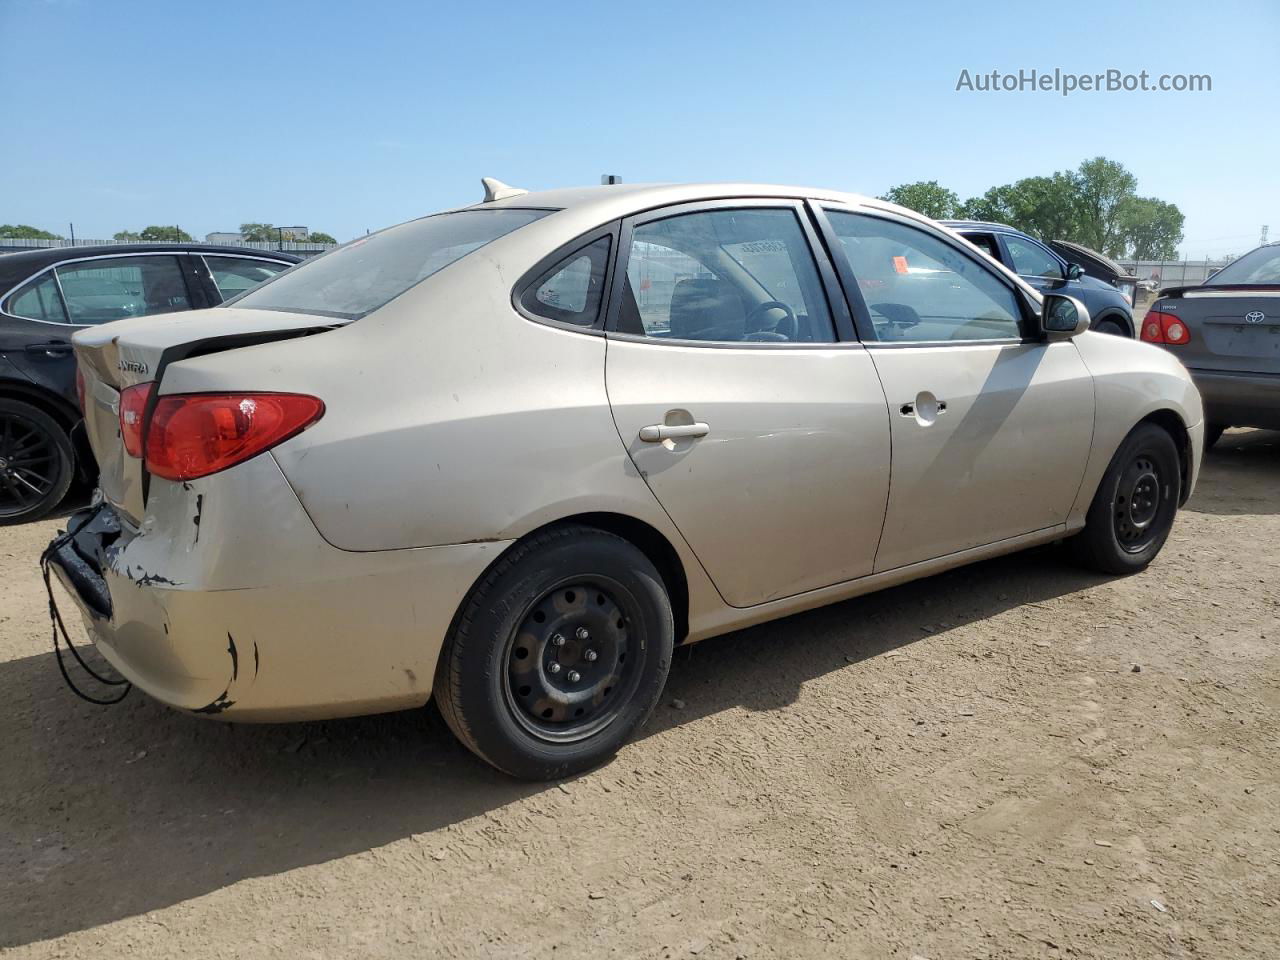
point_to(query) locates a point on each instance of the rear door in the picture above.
(991, 431)
(765, 440)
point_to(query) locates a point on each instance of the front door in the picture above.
(765, 441)
(991, 431)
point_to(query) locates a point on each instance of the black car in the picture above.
(45, 297)
(1048, 272)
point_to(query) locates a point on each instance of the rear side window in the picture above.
(234, 275)
(38, 300)
(571, 291)
(361, 276)
(99, 291)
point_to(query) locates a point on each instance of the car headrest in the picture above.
(706, 309)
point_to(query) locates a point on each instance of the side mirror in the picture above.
(1074, 272)
(1062, 318)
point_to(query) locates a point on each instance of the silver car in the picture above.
(512, 454)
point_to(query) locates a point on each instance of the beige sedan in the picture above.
(512, 454)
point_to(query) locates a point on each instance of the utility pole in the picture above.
(1264, 234)
(73, 233)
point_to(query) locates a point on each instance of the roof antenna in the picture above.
(497, 190)
(609, 179)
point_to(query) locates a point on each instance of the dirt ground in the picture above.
(1019, 759)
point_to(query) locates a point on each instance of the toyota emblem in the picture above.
(1255, 316)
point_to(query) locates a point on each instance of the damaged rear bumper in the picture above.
(225, 601)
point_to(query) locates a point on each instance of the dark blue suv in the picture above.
(1049, 273)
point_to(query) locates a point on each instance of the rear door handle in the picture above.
(657, 432)
(57, 348)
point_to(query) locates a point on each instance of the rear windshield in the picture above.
(1258, 266)
(361, 276)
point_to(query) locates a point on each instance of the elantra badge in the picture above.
(132, 366)
(1255, 316)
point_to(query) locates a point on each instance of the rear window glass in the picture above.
(359, 277)
(1258, 266)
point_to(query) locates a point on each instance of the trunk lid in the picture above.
(1235, 329)
(116, 356)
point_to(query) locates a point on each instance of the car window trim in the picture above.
(8, 294)
(837, 308)
(531, 276)
(862, 314)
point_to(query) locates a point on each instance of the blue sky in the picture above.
(351, 115)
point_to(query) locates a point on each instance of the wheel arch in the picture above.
(1120, 316)
(57, 407)
(646, 538)
(1172, 423)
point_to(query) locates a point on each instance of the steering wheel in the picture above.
(784, 329)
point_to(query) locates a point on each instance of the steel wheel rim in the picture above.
(1137, 505)
(29, 465)
(573, 660)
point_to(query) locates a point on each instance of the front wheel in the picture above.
(1133, 509)
(559, 654)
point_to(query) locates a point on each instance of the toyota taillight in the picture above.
(1160, 327)
(133, 407)
(195, 434)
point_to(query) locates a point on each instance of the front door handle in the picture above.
(657, 432)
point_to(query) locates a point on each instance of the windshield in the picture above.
(1259, 266)
(361, 276)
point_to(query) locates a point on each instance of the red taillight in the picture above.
(195, 434)
(80, 390)
(1158, 327)
(133, 407)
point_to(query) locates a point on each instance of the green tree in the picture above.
(1150, 229)
(262, 232)
(1041, 206)
(155, 234)
(1103, 186)
(22, 231)
(925, 197)
(316, 236)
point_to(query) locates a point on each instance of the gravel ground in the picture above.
(1019, 759)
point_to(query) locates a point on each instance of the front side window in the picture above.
(359, 277)
(1261, 266)
(99, 291)
(1032, 260)
(38, 300)
(919, 288)
(571, 291)
(234, 275)
(743, 275)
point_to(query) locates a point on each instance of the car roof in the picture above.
(623, 199)
(23, 263)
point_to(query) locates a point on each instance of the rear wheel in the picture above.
(36, 462)
(1134, 507)
(1112, 327)
(560, 654)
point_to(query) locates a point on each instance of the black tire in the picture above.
(37, 462)
(1135, 505)
(1113, 327)
(1212, 434)
(506, 705)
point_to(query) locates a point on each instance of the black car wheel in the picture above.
(1212, 434)
(36, 462)
(1112, 327)
(559, 654)
(1134, 507)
